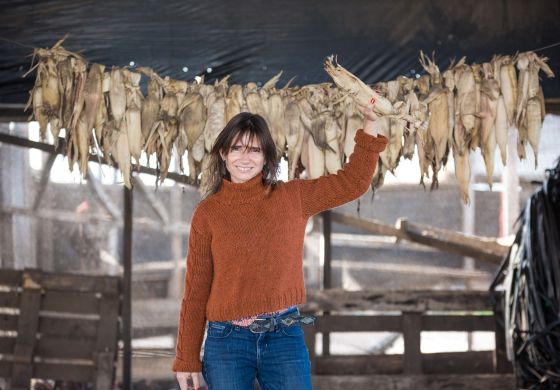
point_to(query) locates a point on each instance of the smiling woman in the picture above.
(242, 150)
(244, 160)
(248, 227)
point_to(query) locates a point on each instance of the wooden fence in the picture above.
(408, 313)
(58, 326)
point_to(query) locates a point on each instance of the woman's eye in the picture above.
(235, 148)
(255, 150)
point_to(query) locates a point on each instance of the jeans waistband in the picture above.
(283, 313)
(288, 311)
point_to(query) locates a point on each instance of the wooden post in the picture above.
(28, 322)
(411, 328)
(327, 271)
(106, 341)
(175, 286)
(127, 294)
(501, 363)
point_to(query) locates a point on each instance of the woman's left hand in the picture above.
(370, 119)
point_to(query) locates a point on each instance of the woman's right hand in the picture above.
(190, 380)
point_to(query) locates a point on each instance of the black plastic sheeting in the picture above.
(253, 40)
(530, 276)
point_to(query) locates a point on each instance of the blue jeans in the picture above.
(234, 356)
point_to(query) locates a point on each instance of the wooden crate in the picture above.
(58, 326)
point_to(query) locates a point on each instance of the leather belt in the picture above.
(262, 325)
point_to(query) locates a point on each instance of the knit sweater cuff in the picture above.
(180, 365)
(371, 143)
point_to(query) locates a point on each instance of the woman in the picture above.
(244, 264)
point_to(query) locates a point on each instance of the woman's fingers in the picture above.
(182, 379)
(196, 381)
(189, 380)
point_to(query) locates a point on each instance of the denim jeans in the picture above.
(234, 356)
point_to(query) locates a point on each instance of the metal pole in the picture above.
(327, 270)
(127, 296)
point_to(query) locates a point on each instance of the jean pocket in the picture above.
(218, 330)
(292, 331)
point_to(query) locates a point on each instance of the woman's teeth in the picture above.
(243, 169)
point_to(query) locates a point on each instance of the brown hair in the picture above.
(243, 123)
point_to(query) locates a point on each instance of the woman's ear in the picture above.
(222, 155)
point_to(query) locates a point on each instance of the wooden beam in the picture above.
(44, 181)
(411, 328)
(416, 382)
(552, 106)
(445, 240)
(397, 300)
(103, 197)
(153, 201)
(70, 216)
(450, 241)
(127, 289)
(327, 271)
(48, 148)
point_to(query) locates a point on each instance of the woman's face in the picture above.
(244, 161)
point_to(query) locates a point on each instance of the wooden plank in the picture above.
(369, 225)
(359, 364)
(7, 345)
(71, 302)
(74, 282)
(106, 344)
(472, 362)
(104, 368)
(463, 363)
(416, 382)
(458, 323)
(140, 223)
(69, 372)
(362, 323)
(65, 348)
(446, 240)
(449, 241)
(501, 363)
(397, 300)
(108, 323)
(22, 369)
(8, 322)
(411, 327)
(5, 368)
(9, 299)
(552, 106)
(68, 327)
(10, 277)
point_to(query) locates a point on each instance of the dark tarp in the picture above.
(253, 40)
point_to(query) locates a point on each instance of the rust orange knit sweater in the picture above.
(246, 246)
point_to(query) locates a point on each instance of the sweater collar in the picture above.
(242, 192)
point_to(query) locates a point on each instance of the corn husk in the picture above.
(534, 124)
(351, 84)
(463, 174)
(294, 135)
(117, 96)
(93, 93)
(501, 128)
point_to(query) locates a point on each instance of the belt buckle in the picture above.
(256, 327)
